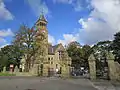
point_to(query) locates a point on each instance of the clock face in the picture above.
(43, 31)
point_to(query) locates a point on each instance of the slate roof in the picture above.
(52, 49)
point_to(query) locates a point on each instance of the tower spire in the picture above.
(41, 20)
(42, 12)
(42, 17)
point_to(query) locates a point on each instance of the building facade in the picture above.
(49, 59)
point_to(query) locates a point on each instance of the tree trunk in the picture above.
(27, 67)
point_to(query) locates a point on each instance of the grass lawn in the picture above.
(6, 74)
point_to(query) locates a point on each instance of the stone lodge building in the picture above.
(53, 58)
(56, 54)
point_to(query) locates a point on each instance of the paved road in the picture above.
(35, 83)
(106, 85)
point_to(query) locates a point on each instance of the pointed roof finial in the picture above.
(42, 12)
(42, 15)
(42, 18)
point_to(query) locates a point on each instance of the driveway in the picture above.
(36, 83)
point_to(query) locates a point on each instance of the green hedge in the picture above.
(6, 74)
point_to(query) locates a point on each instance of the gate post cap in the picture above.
(110, 56)
(91, 58)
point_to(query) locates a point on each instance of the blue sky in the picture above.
(68, 20)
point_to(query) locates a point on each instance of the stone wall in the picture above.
(117, 66)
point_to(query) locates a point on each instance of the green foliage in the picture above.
(101, 48)
(79, 54)
(116, 46)
(6, 74)
(3, 59)
(100, 51)
(86, 52)
(10, 54)
(25, 40)
(74, 53)
(23, 44)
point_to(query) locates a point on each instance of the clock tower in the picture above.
(41, 26)
(42, 43)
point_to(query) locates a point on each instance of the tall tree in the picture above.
(116, 46)
(100, 51)
(75, 52)
(25, 40)
(3, 60)
(86, 51)
(10, 54)
(101, 48)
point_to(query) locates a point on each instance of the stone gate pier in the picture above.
(92, 67)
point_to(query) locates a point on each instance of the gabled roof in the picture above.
(52, 49)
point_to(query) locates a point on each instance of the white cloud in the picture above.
(83, 23)
(109, 12)
(38, 7)
(63, 1)
(68, 38)
(4, 12)
(78, 5)
(51, 39)
(103, 23)
(5, 33)
(95, 31)
(2, 40)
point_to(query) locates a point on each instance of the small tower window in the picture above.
(49, 58)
